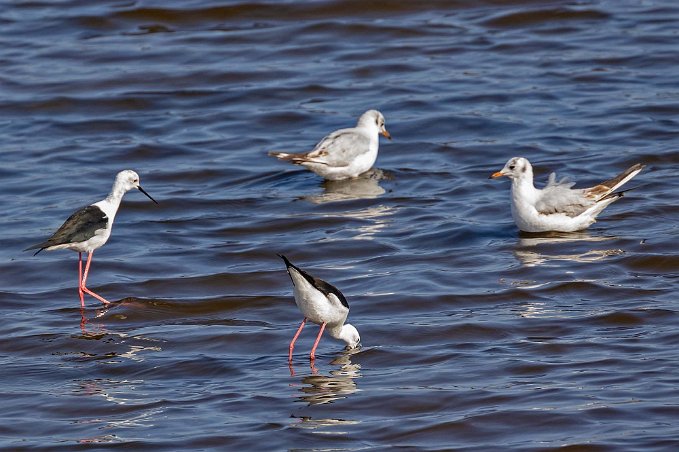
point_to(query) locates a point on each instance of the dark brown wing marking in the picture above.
(605, 188)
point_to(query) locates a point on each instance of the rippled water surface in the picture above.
(475, 336)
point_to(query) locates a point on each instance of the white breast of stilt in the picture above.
(100, 236)
(110, 207)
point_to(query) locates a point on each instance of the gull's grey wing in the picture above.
(559, 197)
(340, 148)
(79, 227)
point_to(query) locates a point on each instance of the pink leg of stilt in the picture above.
(84, 287)
(312, 365)
(80, 280)
(312, 356)
(83, 321)
(292, 344)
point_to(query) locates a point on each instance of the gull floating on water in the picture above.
(324, 305)
(90, 227)
(558, 207)
(345, 153)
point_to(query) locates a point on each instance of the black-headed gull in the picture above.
(345, 153)
(324, 305)
(558, 207)
(90, 227)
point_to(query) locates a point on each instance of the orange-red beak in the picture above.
(386, 134)
(495, 175)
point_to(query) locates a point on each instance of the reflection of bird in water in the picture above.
(320, 389)
(90, 227)
(323, 304)
(118, 396)
(319, 424)
(88, 332)
(558, 207)
(371, 219)
(345, 153)
(532, 258)
(526, 250)
(365, 186)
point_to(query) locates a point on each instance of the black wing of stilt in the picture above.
(322, 286)
(79, 227)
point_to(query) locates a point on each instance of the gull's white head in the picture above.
(373, 118)
(516, 168)
(127, 180)
(350, 335)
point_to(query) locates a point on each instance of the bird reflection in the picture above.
(310, 423)
(365, 186)
(119, 403)
(534, 249)
(130, 347)
(121, 393)
(321, 389)
(90, 331)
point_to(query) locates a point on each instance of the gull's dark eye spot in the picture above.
(511, 167)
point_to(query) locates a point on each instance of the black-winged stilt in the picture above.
(324, 305)
(90, 227)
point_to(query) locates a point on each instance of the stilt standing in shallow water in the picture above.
(323, 304)
(90, 227)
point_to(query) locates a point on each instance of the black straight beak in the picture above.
(149, 196)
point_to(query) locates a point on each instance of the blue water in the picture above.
(475, 336)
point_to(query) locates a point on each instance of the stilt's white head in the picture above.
(127, 180)
(350, 335)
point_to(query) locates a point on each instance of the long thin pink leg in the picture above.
(80, 280)
(87, 266)
(84, 288)
(83, 321)
(312, 356)
(292, 344)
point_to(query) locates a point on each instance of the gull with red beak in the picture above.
(558, 207)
